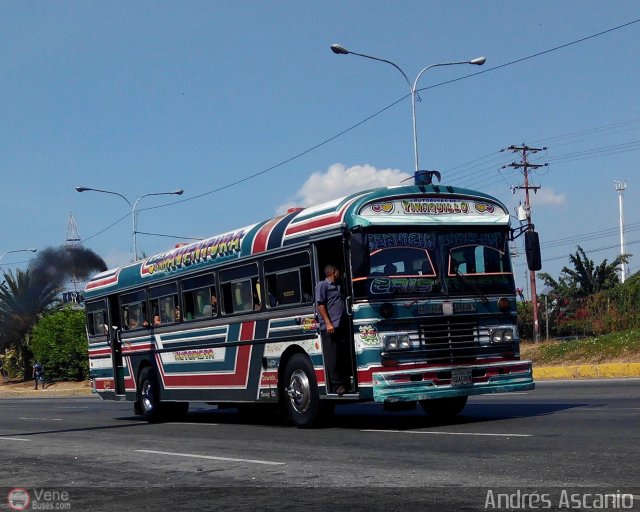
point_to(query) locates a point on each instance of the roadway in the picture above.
(576, 436)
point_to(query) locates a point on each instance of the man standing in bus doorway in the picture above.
(333, 329)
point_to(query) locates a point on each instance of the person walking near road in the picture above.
(333, 329)
(38, 374)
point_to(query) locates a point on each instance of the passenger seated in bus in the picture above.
(137, 319)
(212, 308)
(167, 313)
(134, 321)
(202, 301)
(256, 301)
(390, 269)
(156, 318)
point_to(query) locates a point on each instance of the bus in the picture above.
(230, 320)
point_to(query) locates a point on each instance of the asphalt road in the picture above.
(560, 440)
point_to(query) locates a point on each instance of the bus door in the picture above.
(115, 341)
(333, 251)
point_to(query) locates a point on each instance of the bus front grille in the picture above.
(449, 340)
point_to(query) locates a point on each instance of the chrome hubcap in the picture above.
(299, 391)
(147, 396)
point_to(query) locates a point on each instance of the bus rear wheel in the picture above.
(149, 396)
(444, 408)
(301, 397)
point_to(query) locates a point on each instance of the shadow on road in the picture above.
(372, 416)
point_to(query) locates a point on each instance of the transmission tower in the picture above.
(73, 240)
(73, 236)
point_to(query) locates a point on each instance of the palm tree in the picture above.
(568, 293)
(587, 278)
(23, 298)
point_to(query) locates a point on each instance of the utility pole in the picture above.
(525, 166)
(620, 186)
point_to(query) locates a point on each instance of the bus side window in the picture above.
(164, 304)
(96, 318)
(133, 309)
(288, 280)
(240, 289)
(199, 297)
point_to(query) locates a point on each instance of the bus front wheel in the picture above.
(444, 408)
(301, 398)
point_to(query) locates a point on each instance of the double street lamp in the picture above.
(479, 61)
(133, 209)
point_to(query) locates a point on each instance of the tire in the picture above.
(149, 396)
(300, 393)
(444, 408)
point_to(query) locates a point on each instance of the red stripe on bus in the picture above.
(136, 348)
(335, 218)
(262, 236)
(237, 379)
(99, 352)
(102, 282)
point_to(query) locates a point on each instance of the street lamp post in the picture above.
(479, 61)
(133, 209)
(15, 250)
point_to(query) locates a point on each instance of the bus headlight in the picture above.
(397, 342)
(501, 335)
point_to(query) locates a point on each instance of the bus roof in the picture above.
(425, 205)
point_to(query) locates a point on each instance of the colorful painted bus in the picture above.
(231, 320)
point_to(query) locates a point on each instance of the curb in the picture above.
(587, 371)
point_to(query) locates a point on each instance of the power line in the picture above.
(169, 236)
(326, 141)
(377, 113)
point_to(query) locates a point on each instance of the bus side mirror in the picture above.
(532, 249)
(359, 254)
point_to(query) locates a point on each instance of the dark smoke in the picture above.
(55, 265)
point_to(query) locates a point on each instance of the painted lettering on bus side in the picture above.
(212, 248)
(195, 355)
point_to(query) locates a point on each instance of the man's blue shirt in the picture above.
(329, 294)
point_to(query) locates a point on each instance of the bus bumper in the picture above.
(448, 381)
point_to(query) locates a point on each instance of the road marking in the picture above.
(489, 395)
(212, 457)
(193, 423)
(441, 433)
(40, 419)
(13, 439)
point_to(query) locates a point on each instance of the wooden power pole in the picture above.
(525, 166)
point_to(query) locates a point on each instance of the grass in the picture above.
(615, 348)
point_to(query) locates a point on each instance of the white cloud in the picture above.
(338, 181)
(547, 196)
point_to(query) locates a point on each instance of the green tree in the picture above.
(23, 299)
(59, 343)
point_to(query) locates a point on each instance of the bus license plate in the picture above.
(462, 377)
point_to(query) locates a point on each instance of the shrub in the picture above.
(59, 343)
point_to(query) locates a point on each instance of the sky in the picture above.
(243, 106)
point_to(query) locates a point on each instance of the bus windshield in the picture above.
(434, 263)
